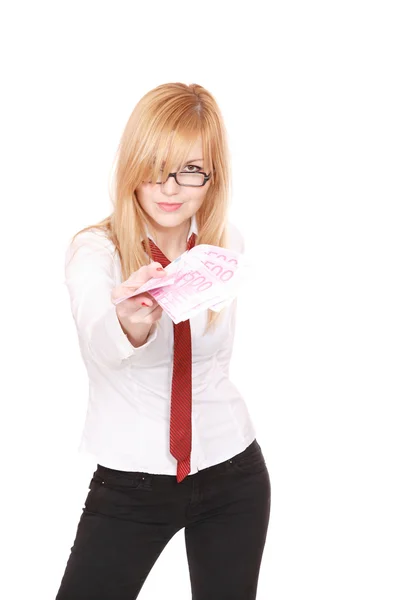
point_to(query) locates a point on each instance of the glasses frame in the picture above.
(206, 178)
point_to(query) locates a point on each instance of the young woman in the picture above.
(171, 435)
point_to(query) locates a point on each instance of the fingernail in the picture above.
(144, 304)
(160, 269)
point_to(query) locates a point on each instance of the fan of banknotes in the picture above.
(203, 277)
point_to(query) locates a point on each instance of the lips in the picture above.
(169, 207)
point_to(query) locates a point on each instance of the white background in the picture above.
(310, 96)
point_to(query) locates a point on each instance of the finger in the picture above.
(153, 314)
(157, 266)
(136, 280)
(146, 303)
(145, 273)
(143, 301)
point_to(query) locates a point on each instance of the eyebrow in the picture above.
(188, 161)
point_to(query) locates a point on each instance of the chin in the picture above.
(180, 214)
(171, 220)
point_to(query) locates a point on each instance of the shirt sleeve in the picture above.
(90, 278)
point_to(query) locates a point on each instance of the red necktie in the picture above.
(180, 432)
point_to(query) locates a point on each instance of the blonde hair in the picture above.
(163, 126)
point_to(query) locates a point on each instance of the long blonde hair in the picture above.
(163, 126)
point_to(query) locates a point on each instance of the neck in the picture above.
(172, 241)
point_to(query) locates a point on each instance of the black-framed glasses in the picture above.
(197, 179)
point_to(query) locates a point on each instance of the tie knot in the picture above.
(158, 256)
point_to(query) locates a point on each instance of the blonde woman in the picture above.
(171, 435)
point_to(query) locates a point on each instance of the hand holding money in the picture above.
(136, 311)
(204, 277)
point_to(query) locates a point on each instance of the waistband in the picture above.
(103, 473)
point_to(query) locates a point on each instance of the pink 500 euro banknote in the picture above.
(204, 277)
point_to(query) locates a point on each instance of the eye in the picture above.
(191, 170)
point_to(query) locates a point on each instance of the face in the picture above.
(155, 198)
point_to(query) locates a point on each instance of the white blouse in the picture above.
(127, 420)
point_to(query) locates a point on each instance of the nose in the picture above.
(170, 187)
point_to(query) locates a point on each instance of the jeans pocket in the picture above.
(122, 483)
(109, 494)
(96, 487)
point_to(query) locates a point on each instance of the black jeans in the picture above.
(129, 517)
